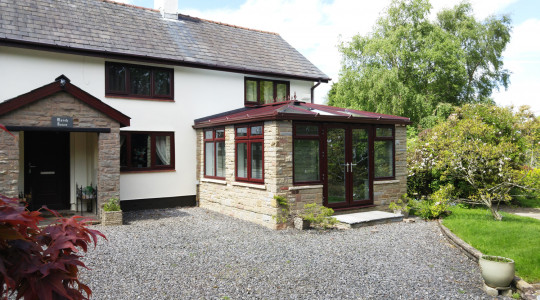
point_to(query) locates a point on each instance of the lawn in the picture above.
(514, 237)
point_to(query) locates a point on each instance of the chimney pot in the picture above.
(168, 8)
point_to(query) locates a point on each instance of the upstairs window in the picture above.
(263, 91)
(249, 142)
(134, 81)
(214, 153)
(142, 151)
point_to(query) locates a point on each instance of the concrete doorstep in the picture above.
(368, 218)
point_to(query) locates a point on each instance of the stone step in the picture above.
(368, 218)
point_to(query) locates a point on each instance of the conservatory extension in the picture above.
(340, 158)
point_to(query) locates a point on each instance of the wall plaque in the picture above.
(62, 122)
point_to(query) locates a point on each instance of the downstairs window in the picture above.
(142, 151)
(214, 153)
(306, 153)
(249, 140)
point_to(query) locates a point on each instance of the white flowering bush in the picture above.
(480, 149)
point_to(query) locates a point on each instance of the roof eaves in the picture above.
(298, 117)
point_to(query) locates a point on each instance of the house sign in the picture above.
(62, 122)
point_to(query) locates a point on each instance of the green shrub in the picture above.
(112, 205)
(481, 150)
(284, 215)
(402, 204)
(435, 205)
(318, 216)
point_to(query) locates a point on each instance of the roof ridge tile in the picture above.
(224, 24)
(129, 5)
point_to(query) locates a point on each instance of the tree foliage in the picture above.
(482, 150)
(41, 262)
(409, 64)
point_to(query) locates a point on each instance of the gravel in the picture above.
(197, 254)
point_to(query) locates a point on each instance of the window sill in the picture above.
(146, 171)
(249, 185)
(214, 181)
(305, 187)
(386, 181)
(139, 98)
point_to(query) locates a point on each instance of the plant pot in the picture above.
(301, 224)
(109, 218)
(397, 211)
(497, 273)
(405, 214)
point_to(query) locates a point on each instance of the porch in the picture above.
(65, 148)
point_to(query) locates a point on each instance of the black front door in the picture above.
(46, 164)
(348, 180)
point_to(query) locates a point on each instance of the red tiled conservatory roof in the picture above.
(298, 110)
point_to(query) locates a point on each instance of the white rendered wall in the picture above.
(198, 93)
(83, 164)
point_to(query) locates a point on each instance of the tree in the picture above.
(41, 262)
(409, 64)
(482, 150)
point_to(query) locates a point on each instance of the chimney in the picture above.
(168, 8)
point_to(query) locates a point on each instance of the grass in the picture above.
(514, 237)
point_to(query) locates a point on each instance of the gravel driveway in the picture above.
(197, 254)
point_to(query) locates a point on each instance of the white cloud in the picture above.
(522, 58)
(316, 27)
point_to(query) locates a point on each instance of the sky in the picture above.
(316, 27)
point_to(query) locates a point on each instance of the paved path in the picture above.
(523, 211)
(197, 254)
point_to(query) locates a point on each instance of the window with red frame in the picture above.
(384, 152)
(264, 91)
(306, 153)
(214, 153)
(249, 141)
(135, 81)
(142, 151)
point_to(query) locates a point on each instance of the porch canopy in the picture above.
(297, 111)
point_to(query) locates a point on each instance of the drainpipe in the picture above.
(313, 91)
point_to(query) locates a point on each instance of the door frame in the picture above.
(349, 203)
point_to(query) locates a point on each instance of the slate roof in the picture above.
(298, 110)
(106, 27)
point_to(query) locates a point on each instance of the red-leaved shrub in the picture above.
(42, 262)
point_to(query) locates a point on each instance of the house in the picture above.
(162, 109)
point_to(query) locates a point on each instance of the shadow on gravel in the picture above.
(153, 214)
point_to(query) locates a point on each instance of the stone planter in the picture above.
(111, 218)
(301, 224)
(497, 274)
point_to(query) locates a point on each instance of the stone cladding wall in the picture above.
(388, 191)
(9, 163)
(39, 114)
